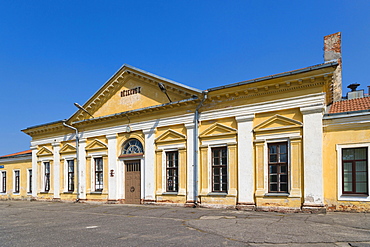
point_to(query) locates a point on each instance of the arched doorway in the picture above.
(132, 153)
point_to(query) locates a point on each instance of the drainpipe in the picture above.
(77, 160)
(196, 148)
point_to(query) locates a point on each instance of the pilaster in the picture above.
(112, 167)
(82, 169)
(260, 168)
(245, 160)
(190, 128)
(56, 172)
(313, 155)
(296, 167)
(35, 172)
(149, 166)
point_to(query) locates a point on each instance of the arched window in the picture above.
(132, 146)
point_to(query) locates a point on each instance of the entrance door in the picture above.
(132, 184)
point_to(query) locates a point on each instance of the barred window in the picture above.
(219, 169)
(98, 174)
(172, 164)
(46, 176)
(354, 170)
(278, 167)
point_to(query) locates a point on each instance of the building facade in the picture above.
(268, 144)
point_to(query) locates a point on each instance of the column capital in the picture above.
(82, 140)
(111, 136)
(55, 144)
(190, 125)
(312, 109)
(149, 131)
(245, 118)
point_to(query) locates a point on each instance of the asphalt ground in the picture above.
(25, 223)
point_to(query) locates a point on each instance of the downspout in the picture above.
(196, 146)
(77, 160)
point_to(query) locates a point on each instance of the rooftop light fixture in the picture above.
(81, 108)
(164, 90)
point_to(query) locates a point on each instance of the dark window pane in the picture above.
(272, 149)
(283, 169)
(360, 153)
(273, 157)
(348, 154)
(283, 187)
(283, 149)
(273, 178)
(273, 169)
(273, 187)
(283, 178)
(283, 158)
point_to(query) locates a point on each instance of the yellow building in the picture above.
(269, 143)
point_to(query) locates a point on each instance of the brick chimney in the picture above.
(333, 53)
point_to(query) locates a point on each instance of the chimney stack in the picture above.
(333, 53)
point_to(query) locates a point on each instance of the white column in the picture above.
(112, 167)
(35, 185)
(312, 155)
(245, 160)
(82, 168)
(56, 171)
(190, 161)
(149, 164)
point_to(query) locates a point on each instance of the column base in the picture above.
(313, 208)
(247, 206)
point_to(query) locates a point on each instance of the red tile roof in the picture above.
(350, 105)
(19, 153)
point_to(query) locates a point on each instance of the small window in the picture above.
(172, 164)
(30, 181)
(219, 169)
(132, 146)
(354, 170)
(3, 182)
(71, 175)
(98, 174)
(46, 176)
(16, 181)
(278, 167)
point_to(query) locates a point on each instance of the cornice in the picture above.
(253, 90)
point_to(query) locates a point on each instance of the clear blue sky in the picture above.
(55, 53)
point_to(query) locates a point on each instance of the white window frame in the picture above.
(43, 176)
(165, 149)
(266, 165)
(344, 197)
(66, 159)
(1, 182)
(19, 181)
(218, 144)
(29, 181)
(93, 157)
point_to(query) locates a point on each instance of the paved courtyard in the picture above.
(24, 223)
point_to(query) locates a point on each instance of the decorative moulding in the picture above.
(68, 148)
(44, 151)
(96, 145)
(218, 130)
(170, 136)
(277, 123)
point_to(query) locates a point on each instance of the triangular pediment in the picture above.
(132, 89)
(218, 129)
(44, 151)
(68, 148)
(170, 136)
(277, 122)
(96, 145)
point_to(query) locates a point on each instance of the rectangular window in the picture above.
(354, 171)
(278, 167)
(219, 169)
(16, 181)
(3, 182)
(98, 174)
(71, 175)
(172, 164)
(29, 180)
(46, 176)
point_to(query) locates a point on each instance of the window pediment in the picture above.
(68, 148)
(277, 123)
(218, 130)
(96, 145)
(44, 151)
(170, 136)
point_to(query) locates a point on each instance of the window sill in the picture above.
(170, 193)
(68, 192)
(217, 194)
(96, 193)
(354, 197)
(44, 192)
(277, 194)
